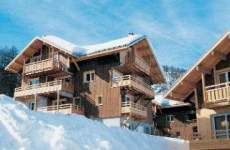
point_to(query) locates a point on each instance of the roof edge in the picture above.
(166, 95)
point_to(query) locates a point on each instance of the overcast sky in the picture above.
(180, 31)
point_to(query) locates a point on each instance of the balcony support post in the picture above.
(58, 99)
(203, 86)
(35, 103)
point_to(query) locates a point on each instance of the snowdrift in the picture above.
(22, 129)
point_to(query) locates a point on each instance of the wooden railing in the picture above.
(138, 62)
(133, 108)
(128, 80)
(142, 64)
(221, 134)
(44, 88)
(63, 108)
(54, 62)
(217, 93)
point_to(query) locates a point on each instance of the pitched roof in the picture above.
(184, 86)
(82, 50)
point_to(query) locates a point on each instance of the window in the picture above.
(224, 77)
(88, 76)
(31, 105)
(170, 118)
(126, 99)
(34, 81)
(77, 101)
(99, 101)
(221, 126)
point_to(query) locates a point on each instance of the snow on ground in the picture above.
(23, 129)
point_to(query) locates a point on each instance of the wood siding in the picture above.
(101, 86)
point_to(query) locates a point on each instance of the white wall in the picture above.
(112, 122)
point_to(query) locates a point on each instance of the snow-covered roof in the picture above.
(78, 50)
(118, 43)
(165, 103)
(83, 52)
(61, 43)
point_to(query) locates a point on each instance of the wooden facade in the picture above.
(111, 83)
(207, 82)
(177, 121)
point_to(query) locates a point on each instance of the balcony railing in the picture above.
(222, 134)
(218, 93)
(53, 86)
(63, 108)
(142, 64)
(139, 62)
(133, 109)
(137, 84)
(56, 62)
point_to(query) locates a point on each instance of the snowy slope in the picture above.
(22, 129)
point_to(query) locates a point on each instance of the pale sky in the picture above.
(180, 31)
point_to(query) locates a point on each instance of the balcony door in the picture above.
(221, 126)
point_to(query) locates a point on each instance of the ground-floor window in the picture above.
(31, 105)
(221, 126)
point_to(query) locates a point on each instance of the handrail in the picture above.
(140, 61)
(134, 105)
(61, 107)
(217, 92)
(129, 77)
(55, 60)
(46, 84)
(217, 85)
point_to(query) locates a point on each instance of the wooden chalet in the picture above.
(110, 81)
(174, 119)
(207, 85)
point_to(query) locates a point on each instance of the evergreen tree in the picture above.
(171, 74)
(8, 81)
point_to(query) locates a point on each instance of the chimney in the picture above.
(131, 34)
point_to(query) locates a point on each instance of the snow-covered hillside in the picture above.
(22, 129)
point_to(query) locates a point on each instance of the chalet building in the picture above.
(110, 81)
(174, 118)
(207, 85)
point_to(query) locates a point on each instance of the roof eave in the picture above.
(168, 93)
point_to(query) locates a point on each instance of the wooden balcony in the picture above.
(219, 93)
(137, 64)
(141, 64)
(133, 83)
(54, 64)
(63, 108)
(133, 109)
(42, 88)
